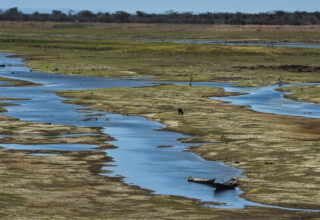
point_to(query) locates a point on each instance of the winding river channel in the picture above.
(137, 157)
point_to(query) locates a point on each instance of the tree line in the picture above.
(268, 18)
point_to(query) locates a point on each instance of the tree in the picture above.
(58, 16)
(86, 15)
(121, 16)
(141, 14)
(13, 14)
(103, 17)
(239, 18)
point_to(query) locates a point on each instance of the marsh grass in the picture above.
(166, 61)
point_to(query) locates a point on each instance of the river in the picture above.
(137, 157)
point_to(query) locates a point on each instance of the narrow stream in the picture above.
(137, 158)
(267, 100)
(235, 43)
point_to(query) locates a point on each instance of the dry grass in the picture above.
(301, 33)
(303, 93)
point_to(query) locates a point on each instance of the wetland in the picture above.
(267, 147)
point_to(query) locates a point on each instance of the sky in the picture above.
(196, 6)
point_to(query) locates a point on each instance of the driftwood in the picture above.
(230, 184)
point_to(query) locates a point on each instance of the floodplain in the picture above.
(279, 155)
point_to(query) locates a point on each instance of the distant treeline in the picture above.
(270, 18)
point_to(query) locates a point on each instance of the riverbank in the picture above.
(303, 93)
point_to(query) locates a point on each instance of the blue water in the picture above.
(267, 100)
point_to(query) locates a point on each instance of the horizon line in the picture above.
(47, 10)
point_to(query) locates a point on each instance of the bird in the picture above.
(280, 81)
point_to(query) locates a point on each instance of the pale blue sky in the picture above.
(164, 5)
